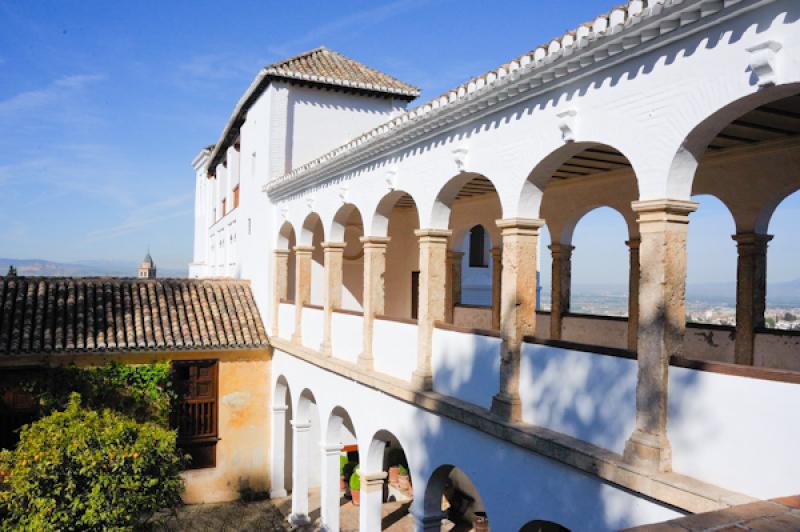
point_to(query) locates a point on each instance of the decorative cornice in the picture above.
(623, 33)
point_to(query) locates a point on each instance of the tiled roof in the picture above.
(41, 315)
(321, 65)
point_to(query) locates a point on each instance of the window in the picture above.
(477, 254)
(195, 412)
(235, 196)
(17, 408)
(224, 208)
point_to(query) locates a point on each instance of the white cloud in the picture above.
(52, 94)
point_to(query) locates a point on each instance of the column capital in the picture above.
(280, 408)
(373, 479)
(454, 255)
(333, 246)
(375, 241)
(751, 240)
(303, 249)
(281, 252)
(301, 426)
(664, 210)
(561, 250)
(633, 243)
(520, 224)
(330, 448)
(433, 234)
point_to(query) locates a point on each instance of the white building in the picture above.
(355, 220)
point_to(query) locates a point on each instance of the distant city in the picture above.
(87, 268)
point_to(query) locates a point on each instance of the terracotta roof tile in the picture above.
(68, 315)
(327, 67)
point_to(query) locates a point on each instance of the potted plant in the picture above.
(403, 480)
(355, 487)
(342, 463)
(394, 473)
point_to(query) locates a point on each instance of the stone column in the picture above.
(278, 452)
(302, 433)
(371, 501)
(329, 490)
(374, 291)
(497, 273)
(302, 288)
(633, 293)
(333, 253)
(453, 284)
(429, 523)
(751, 292)
(561, 286)
(432, 297)
(517, 308)
(662, 322)
(280, 286)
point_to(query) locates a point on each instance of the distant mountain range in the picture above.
(784, 292)
(84, 268)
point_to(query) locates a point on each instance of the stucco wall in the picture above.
(515, 485)
(347, 333)
(402, 258)
(473, 317)
(466, 366)
(595, 330)
(395, 348)
(242, 451)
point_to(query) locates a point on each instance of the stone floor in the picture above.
(764, 516)
(272, 515)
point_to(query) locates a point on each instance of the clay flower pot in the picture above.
(394, 473)
(480, 523)
(342, 485)
(404, 482)
(356, 495)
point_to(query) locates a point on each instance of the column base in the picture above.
(297, 339)
(422, 382)
(299, 520)
(506, 407)
(429, 523)
(650, 451)
(325, 349)
(277, 494)
(365, 362)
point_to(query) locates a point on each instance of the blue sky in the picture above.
(104, 104)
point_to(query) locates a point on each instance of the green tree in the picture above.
(12, 271)
(82, 469)
(789, 317)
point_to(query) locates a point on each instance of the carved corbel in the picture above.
(764, 64)
(567, 123)
(460, 156)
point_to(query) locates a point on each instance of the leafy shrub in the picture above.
(142, 392)
(86, 470)
(355, 480)
(342, 463)
(403, 470)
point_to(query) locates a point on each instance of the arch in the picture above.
(383, 453)
(338, 437)
(765, 214)
(475, 244)
(450, 191)
(379, 225)
(542, 526)
(711, 259)
(567, 229)
(306, 405)
(286, 236)
(347, 213)
(689, 154)
(463, 496)
(570, 161)
(783, 256)
(282, 439)
(311, 225)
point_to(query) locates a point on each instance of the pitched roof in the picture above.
(325, 66)
(319, 66)
(41, 315)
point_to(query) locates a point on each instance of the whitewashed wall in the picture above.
(515, 485)
(347, 333)
(395, 348)
(466, 366)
